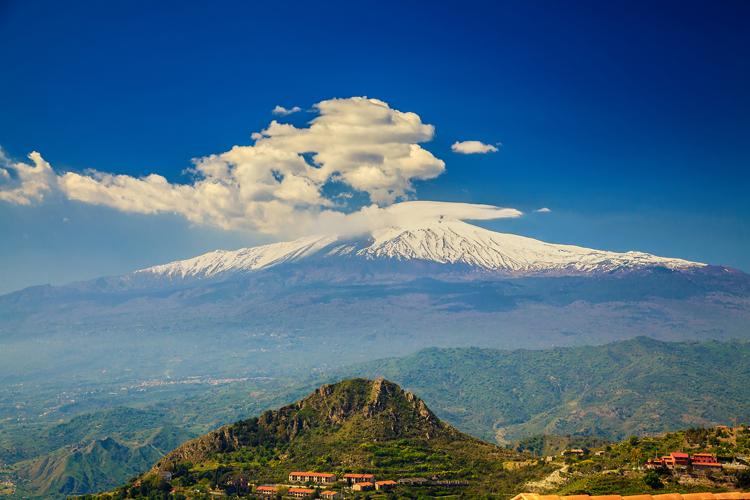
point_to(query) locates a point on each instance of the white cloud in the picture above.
(472, 147)
(418, 211)
(279, 184)
(403, 214)
(23, 183)
(543, 210)
(282, 111)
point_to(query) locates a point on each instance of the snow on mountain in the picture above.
(244, 259)
(442, 240)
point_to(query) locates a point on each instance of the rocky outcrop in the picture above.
(378, 409)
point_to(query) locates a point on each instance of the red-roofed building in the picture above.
(330, 494)
(699, 461)
(708, 458)
(359, 478)
(363, 486)
(267, 490)
(300, 492)
(385, 485)
(705, 462)
(706, 466)
(676, 459)
(312, 477)
(654, 463)
(680, 458)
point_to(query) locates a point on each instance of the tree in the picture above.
(653, 480)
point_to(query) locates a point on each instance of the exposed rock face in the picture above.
(222, 439)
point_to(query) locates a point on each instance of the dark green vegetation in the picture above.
(549, 400)
(356, 425)
(91, 452)
(613, 471)
(93, 467)
(547, 444)
(640, 386)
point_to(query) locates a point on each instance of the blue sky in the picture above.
(629, 120)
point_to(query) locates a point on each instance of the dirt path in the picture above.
(553, 480)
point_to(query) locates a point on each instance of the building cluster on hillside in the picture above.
(305, 484)
(312, 477)
(355, 482)
(679, 460)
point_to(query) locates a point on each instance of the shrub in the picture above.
(653, 480)
(743, 479)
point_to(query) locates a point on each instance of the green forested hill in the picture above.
(92, 452)
(639, 386)
(374, 426)
(126, 424)
(100, 464)
(355, 425)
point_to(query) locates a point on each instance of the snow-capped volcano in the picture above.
(408, 285)
(440, 240)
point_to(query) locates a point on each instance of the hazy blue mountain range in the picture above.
(320, 302)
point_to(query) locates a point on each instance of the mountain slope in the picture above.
(635, 387)
(125, 424)
(442, 241)
(356, 425)
(355, 409)
(592, 474)
(90, 452)
(99, 464)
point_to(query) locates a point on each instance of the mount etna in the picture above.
(328, 300)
